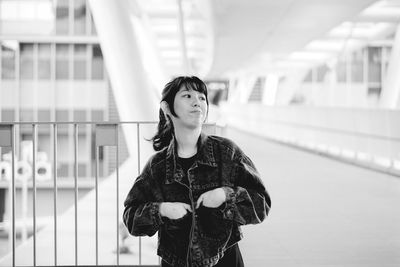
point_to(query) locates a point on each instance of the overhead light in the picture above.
(383, 9)
(165, 28)
(363, 30)
(171, 54)
(309, 56)
(325, 45)
(289, 64)
(333, 45)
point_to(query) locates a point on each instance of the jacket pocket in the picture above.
(212, 224)
(179, 228)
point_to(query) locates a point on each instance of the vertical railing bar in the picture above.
(34, 140)
(96, 200)
(138, 144)
(76, 189)
(13, 192)
(117, 173)
(55, 190)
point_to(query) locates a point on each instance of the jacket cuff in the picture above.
(155, 211)
(229, 194)
(229, 209)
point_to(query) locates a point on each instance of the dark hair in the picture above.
(165, 129)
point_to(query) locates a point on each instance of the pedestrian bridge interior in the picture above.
(308, 89)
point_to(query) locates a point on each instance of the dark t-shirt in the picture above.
(186, 163)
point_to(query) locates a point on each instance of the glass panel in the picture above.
(62, 69)
(44, 64)
(80, 62)
(357, 66)
(308, 77)
(374, 64)
(43, 115)
(80, 17)
(341, 70)
(62, 14)
(8, 115)
(97, 63)
(97, 115)
(8, 61)
(388, 51)
(79, 115)
(26, 61)
(321, 72)
(26, 115)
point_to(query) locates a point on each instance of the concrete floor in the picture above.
(324, 212)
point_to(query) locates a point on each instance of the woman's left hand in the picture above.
(212, 199)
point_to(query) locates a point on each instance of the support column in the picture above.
(136, 98)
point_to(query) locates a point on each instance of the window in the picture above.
(62, 69)
(97, 63)
(80, 62)
(26, 61)
(322, 70)
(341, 70)
(357, 66)
(80, 17)
(44, 64)
(8, 61)
(374, 64)
(62, 17)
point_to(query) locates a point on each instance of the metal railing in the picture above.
(363, 137)
(105, 134)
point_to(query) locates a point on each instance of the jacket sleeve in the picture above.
(248, 202)
(141, 215)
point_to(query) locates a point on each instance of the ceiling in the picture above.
(219, 37)
(260, 32)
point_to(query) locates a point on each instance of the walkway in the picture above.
(324, 212)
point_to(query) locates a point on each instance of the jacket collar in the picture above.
(205, 156)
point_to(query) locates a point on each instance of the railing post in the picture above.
(138, 148)
(76, 189)
(34, 148)
(7, 139)
(55, 189)
(106, 135)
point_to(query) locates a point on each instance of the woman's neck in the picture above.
(186, 140)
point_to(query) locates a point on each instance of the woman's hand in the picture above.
(174, 210)
(212, 199)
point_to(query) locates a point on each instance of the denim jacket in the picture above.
(199, 238)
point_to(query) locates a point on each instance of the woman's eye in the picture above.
(203, 98)
(187, 95)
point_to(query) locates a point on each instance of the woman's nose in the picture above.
(196, 101)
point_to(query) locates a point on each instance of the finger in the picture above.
(187, 207)
(199, 201)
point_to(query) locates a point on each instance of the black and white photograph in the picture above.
(200, 133)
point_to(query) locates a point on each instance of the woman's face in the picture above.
(190, 107)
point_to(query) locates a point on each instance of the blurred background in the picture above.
(309, 88)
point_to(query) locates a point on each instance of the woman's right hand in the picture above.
(174, 210)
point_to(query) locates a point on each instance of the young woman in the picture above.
(197, 190)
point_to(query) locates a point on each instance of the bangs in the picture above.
(195, 86)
